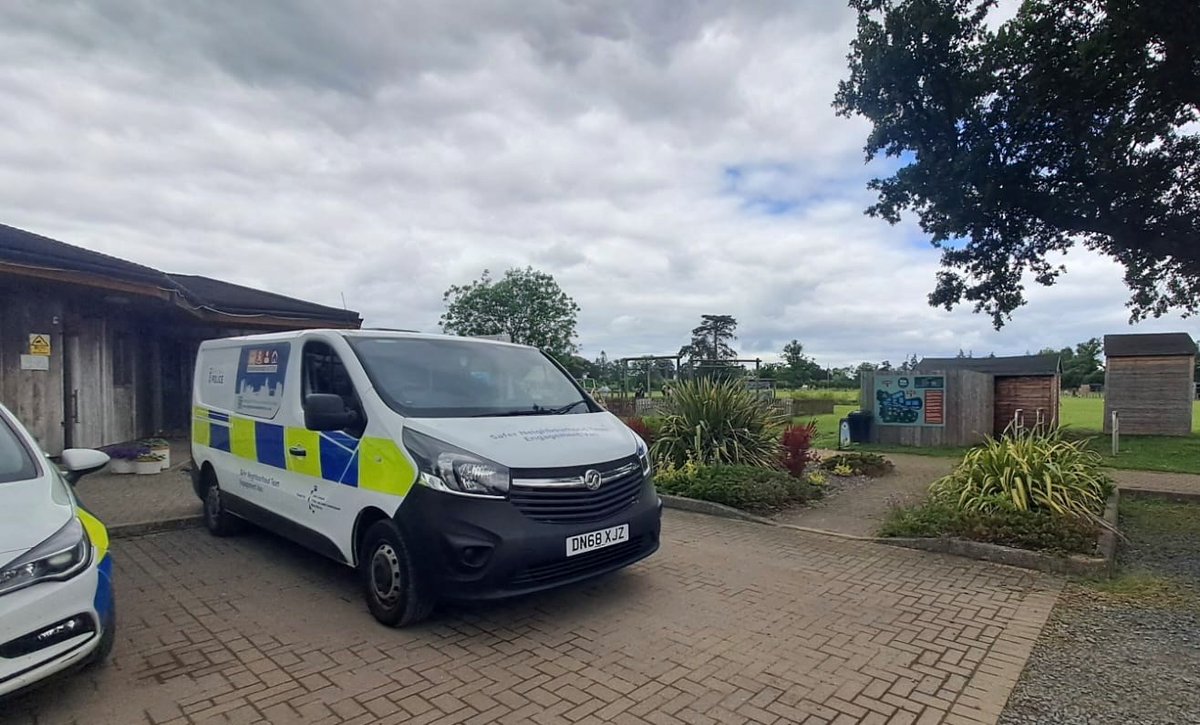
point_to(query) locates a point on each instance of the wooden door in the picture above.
(1029, 400)
(85, 383)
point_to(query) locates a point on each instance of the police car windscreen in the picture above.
(16, 464)
(460, 378)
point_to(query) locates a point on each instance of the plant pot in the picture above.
(147, 468)
(121, 466)
(166, 457)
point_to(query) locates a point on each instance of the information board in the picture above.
(903, 399)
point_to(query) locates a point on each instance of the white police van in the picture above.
(441, 467)
(56, 597)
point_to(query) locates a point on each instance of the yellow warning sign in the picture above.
(39, 344)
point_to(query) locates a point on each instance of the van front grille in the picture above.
(560, 497)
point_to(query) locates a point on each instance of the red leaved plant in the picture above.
(797, 441)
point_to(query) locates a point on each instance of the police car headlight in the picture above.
(447, 468)
(643, 455)
(66, 553)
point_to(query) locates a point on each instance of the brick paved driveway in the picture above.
(730, 622)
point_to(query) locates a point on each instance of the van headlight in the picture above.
(643, 456)
(448, 468)
(66, 553)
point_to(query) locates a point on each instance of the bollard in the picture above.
(1116, 433)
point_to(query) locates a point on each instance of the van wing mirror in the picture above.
(78, 462)
(325, 411)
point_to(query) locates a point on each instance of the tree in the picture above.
(1066, 126)
(527, 304)
(1081, 365)
(710, 341)
(800, 368)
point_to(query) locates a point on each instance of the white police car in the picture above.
(56, 601)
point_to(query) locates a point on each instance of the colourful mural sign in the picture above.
(910, 399)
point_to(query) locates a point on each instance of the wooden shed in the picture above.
(1025, 388)
(1149, 381)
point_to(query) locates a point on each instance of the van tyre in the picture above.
(395, 592)
(217, 518)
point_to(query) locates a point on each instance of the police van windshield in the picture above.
(456, 378)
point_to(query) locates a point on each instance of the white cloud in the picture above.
(661, 159)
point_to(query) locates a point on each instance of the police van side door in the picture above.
(266, 373)
(323, 464)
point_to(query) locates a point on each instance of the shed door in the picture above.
(1028, 399)
(85, 384)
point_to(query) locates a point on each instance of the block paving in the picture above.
(730, 622)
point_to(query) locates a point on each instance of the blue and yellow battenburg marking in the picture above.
(374, 464)
(98, 535)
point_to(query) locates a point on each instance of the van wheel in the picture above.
(395, 593)
(217, 518)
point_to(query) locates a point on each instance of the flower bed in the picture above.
(1029, 490)
(759, 490)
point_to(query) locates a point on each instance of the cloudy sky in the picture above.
(662, 159)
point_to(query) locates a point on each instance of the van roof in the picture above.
(293, 334)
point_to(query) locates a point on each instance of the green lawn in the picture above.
(1082, 417)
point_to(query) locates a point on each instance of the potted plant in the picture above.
(122, 459)
(160, 447)
(148, 463)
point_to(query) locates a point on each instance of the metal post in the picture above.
(1116, 433)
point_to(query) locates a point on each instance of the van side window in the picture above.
(323, 372)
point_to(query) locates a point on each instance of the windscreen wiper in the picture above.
(535, 410)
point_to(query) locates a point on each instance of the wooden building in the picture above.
(1149, 381)
(96, 350)
(955, 407)
(1025, 388)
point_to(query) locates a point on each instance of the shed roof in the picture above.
(18, 246)
(1016, 365)
(1149, 344)
(234, 299)
(26, 249)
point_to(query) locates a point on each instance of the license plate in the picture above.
(580, 543)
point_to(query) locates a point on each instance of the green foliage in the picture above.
(711, 342)
(1038, 530)
(858, 463)
(799, 369)
(1080, 365)
(744, 487)
(527, 304)
(712, 421)
(1067, 125)
(816, 478)
(1028, 471)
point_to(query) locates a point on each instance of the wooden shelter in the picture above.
(1149, 381)
(1025, 388)
(97, 350)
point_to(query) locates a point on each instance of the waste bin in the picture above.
(860, 426)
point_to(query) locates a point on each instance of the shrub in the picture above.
(1039, 530)
(744, 487)
(857, 463)
(816, 478)
(717, 422)
(643, 428)
(796, 442)
(1029, 470)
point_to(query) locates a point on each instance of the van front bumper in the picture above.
(475, 548)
